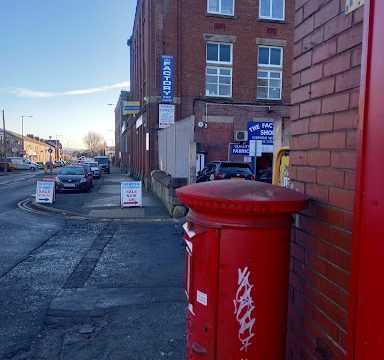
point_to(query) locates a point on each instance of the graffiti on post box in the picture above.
(243, 303)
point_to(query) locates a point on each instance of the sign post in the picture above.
(45, 192)
(131, 194)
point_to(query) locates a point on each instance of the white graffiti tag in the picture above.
(243, 309)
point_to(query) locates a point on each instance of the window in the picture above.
(218, 81)
(219, 53)
(269, 84)
(270, 56)
(223, 7)
(218, 73)
(272, 9)
(269, 74)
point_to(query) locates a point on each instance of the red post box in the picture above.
(237, 264)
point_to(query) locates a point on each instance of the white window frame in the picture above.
(220, 12)
(270, 11)
(218, 61)
(218, 83)
(269, 78)
(270, 65)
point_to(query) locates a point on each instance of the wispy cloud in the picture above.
(20, 92)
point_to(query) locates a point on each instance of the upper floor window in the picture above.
(219, 53)
(272, 9)
(222, 7)
(269, 74)
(218, 72)
(270, 56)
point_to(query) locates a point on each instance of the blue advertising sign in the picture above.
(166, 78)
(239, 149)
(261, 130)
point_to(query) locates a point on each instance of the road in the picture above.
(72, 289)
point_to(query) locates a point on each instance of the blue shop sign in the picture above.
(166, 79)
(239, 149)
(262, 130)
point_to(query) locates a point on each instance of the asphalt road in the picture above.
(91, 289)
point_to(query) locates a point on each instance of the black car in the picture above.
(73, 178)
(104, 163)
(265, 176)
(220, 170)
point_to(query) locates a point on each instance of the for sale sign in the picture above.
(45, 192)
(131, 194)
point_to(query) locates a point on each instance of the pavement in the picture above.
(104, 201)
(104, 283)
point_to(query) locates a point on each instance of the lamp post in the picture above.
(4, 144)
(57, 148)
(22, 132)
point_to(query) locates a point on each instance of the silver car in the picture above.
(94, 168)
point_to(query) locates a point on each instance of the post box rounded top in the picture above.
(233, 197)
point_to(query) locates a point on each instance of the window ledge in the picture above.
(269, 102)
(272, 21)
(221, 16)
(215, 97)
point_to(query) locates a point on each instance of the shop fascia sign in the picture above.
(131, 107)
(262, 130)
(166, 79)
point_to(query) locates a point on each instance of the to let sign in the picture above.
(45, 191)
(166, 115)
(131, 194)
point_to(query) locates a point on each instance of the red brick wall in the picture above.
(177, 28)
(325, 82)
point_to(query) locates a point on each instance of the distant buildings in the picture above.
(35, 148)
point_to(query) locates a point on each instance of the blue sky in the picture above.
(63, 61)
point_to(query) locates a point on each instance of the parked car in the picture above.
(220, 170)
(265, 176)
(104, 163)
(73, 178)
(58, 163)
(50, 164)
(40, 164)
(22, 163)
(10, 166)
(95, 169)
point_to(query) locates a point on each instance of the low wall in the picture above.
(164, 186)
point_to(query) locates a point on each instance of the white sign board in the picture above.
(166, 115)
(45, 192)
(131, 194)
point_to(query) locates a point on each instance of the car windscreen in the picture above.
(72, 171)
(102, 160)
(95, 164)
(235, 169)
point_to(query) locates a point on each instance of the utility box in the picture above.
(237, 239)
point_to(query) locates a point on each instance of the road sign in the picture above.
(50, 150)
(45, 191)
(131, 194)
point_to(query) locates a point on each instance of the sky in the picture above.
(62, 62)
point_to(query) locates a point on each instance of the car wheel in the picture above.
(32, 169)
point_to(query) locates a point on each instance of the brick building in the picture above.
(231, 65)
(335, 310)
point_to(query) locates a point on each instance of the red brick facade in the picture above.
(325, 82)
(181, 29)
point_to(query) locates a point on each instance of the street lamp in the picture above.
(22, 131)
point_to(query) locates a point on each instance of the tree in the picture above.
(94, 142)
